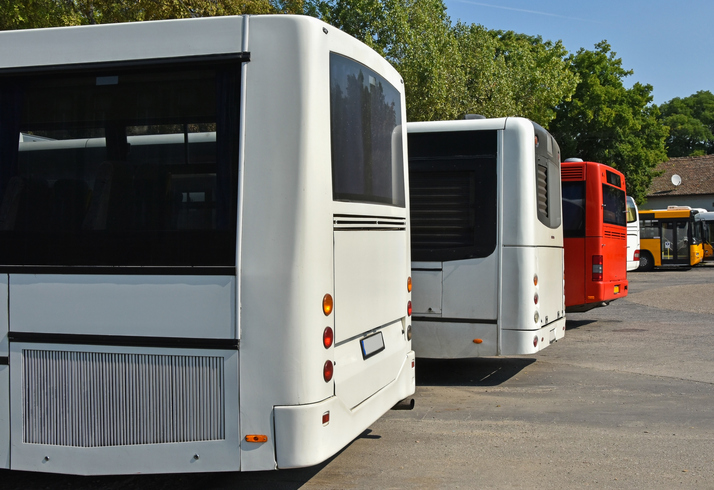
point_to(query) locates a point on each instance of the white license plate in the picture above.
(374, 344)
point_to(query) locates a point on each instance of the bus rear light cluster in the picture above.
(636, 255)
(327, 371)
(328, 337)
(597, 267)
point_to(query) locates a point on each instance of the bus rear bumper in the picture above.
(301, 437)
(519, 342)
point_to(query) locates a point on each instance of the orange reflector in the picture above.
(327, 304)
(325, 418)
(327, 337)
(478, 341)
(409, 284)
(256, 438)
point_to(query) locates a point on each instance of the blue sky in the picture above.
(668, 44)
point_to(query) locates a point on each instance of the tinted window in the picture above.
(452, 192)
(366, 135)
(547, 168)
(614, 210)
(573, 209)
(120, 167)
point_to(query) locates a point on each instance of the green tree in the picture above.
(416, 37)
(509, 74)
(608, 123)
(24, 14)
(691, 124)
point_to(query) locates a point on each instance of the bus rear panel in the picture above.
(487, 259)
(189, 234)
(595, 229)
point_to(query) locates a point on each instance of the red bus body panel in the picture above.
(608, 240)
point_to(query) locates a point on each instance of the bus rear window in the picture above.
(366, 135)
(120, 167)
(452, 193)
(614, 210)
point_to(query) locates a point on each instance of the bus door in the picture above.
(674, 242)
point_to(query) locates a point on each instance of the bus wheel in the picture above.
(646, 261)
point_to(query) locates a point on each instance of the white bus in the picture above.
(204, 245)
(487, 239)
(633, 234)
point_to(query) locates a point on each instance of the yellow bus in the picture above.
(669, 237)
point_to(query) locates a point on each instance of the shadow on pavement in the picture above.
(573, 324)
(484, 371)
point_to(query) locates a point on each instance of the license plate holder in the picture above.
(372, 345)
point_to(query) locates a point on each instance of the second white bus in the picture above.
(487, 239)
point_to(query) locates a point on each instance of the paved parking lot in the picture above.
(625, 400)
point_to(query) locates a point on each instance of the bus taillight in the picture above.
(409, 284)
(597, 267)
(636, 255)
(327, 337)
(328, 370)
(409, 308)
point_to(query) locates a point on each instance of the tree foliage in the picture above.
(608, 123)
(513, 74)
(452, 70)
(691, 124)
(24, 14)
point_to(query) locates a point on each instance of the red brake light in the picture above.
(637, 255)
(328, 370)
(597, 267)
(409, 308)
(327, 337)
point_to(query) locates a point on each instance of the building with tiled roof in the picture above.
(695, 188)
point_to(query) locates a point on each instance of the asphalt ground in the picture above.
(625, 400)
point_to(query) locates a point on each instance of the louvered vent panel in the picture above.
(615, 234)
(442, 210)
(542, 189)
(572, 172)
(94, 399)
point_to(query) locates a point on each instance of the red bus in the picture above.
(595, 234)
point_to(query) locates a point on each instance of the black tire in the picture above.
(646, 262)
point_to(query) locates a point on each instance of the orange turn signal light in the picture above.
(478, 341)
(409, 284)
(327, 304)
(256, 438)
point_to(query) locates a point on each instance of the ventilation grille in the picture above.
(619, 235)
(442, 210)
(572, 172)
(542, 189)
(344, 222)
(93, 399)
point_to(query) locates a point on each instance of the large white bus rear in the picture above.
(487, 242)
(204, 245)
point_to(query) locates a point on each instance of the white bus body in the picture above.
(633, 235)
(183, 198)
(487, 240)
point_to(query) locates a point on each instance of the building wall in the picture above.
(705, 201)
